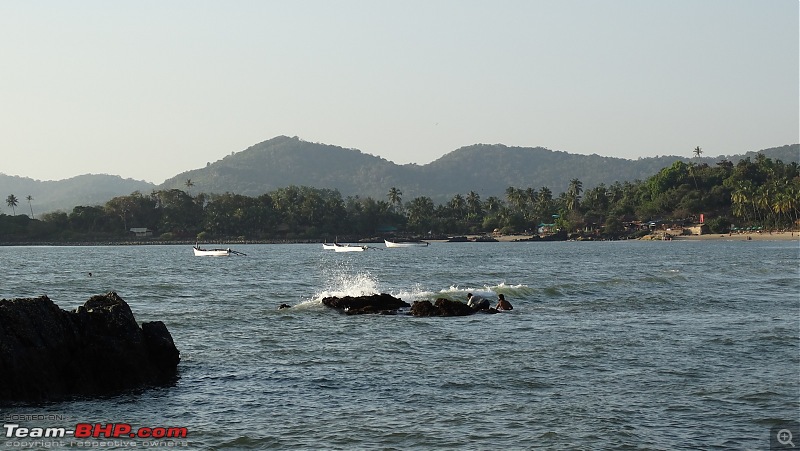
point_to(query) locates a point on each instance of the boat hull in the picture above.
(211, 252)
(406, 243)
(343, 247)
(348, 248)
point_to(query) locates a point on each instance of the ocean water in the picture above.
(611, 345)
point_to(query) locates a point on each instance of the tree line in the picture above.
(761, 193)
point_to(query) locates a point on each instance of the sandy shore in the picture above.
(764, 236)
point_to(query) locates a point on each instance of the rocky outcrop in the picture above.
(47, 353)
(376, 303)
(443, 307)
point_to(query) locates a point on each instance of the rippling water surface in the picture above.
(651, 345)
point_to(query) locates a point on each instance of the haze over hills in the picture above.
(486, 169)
(282, 161)
(49, 195)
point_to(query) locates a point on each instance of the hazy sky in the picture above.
(149, 89)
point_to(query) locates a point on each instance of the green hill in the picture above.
(282, 161)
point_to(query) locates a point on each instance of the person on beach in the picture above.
(502, 304)
(477, 302)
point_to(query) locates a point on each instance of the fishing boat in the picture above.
(349, 248)
(200, 252)
(406, 243)
(343, 247)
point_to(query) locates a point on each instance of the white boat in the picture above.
(200, 252)
(343, 247)
(348, 248)
(405, 243)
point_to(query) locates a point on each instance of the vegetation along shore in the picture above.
(757, 199)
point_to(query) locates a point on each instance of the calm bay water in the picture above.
(632, 345)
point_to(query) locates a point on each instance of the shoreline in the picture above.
(748, 236)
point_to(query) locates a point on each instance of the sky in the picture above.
(148, 89)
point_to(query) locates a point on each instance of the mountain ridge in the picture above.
(487, 169)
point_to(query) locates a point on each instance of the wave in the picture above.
(341, 282)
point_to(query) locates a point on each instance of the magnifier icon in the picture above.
(784, 437)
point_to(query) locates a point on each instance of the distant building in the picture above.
(141, 232)
(543, 228)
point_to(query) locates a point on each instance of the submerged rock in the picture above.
(47, 353)
(356, 305)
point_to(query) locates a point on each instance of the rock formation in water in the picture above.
(376, 303)
(444, 307)
(47, 353)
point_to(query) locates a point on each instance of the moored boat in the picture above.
(343, 247)
(349, 248)
(200, 252)
(405, 243)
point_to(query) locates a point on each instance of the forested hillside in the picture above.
(486, 169)
(48, 196)
(761, 194)
(280, 162)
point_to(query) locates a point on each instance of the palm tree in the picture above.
(781, 205)
(12, 202)
(188, 184)
(29, 199)
(698, 151)
(395, 196)
(457, 205)
(473, 204)
(573, 195)
(493, 204)
(740, 199)
(517, 198)
(544, 202)
(420, 212)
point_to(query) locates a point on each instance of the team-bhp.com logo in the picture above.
(87, 430)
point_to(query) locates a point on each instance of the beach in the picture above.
(749, 236)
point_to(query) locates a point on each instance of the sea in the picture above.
(659, 345)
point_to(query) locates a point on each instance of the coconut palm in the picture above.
(395, 196)
(493, 204)
(29, 199)
(781, 205)
(457, 205)
(573, 194)
(473, 204)
(698, 151)
(740, 199)
(516, 198)
(12, 202)
(420, 211)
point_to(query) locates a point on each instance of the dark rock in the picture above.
(356, 305)
(532, 238)
(561, 235)
(283, 306)
(47, 353)
(442, 307)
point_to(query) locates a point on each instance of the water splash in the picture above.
(458, 293)
(342, 284)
